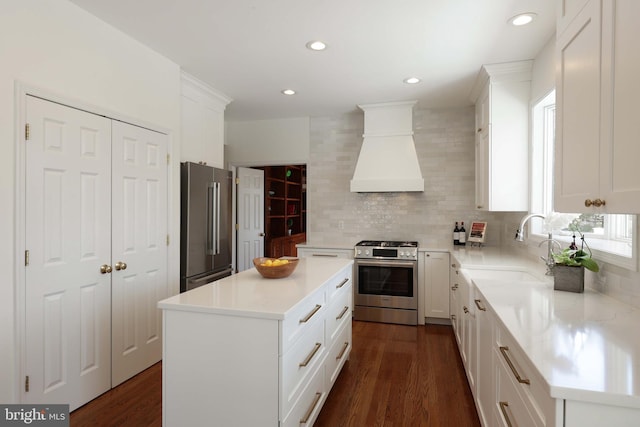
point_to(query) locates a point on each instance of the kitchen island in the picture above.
(252, 351)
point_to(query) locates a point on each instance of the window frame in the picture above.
(604, 249)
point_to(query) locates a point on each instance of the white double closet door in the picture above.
(96, 233)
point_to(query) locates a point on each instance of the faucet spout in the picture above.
(520, 231)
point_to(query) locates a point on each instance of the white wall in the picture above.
(265, 142)
(543, 77)
(62, 50)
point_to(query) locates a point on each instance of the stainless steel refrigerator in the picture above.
(205, 225)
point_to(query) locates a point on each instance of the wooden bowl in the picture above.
(275, 272)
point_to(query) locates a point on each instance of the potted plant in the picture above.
(568, 271)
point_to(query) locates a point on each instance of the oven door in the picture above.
(386, 283)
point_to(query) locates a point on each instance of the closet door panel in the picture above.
(139, 247)
(68, 238)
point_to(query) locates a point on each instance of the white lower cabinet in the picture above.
(485, 383)
(454, 301)
(435, 286)
(527, 393)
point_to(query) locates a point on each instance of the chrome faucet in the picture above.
(520, 230)
(549, 261)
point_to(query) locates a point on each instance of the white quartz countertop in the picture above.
(586, 346)
(249, 294)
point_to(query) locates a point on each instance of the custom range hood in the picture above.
(388, 161)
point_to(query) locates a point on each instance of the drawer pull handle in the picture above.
(306, 318)
(454, 287)
(310, 356)
(343, 312)
(481, 307)
(465, 309)
(327, 255)
(307, 415)
(503, 409)
(453, 317)
(344, 282)
(521, 380)
(344, 348)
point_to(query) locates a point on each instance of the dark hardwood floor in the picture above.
(401, 376)
(134, 403)
(396, 376)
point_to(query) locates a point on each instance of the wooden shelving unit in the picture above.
(285, 208)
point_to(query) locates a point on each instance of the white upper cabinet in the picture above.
(202, 115)
(501, 94)
(567, 10)
(597, 92)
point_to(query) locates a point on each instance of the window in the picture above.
(609, 236)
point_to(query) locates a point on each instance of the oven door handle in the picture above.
(386, 263)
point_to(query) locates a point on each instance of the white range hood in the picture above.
(388, 161)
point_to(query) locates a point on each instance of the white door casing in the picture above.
(139, 232)
(250, 198)
(67, 235)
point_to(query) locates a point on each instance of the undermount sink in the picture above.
(504, 275)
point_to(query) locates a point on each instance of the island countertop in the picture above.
(248, 294)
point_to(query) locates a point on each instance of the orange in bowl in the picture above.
(275, 268)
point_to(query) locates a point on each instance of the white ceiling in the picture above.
(250, 50)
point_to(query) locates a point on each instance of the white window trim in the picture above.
(604, 250)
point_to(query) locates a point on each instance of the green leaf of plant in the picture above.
(590, 264)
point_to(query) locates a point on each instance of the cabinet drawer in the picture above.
(299, 363)
(528, 382)
(308, 406)
(510, 408)
(338, 354)
(338, 284)
(295, 324)
(338, 313)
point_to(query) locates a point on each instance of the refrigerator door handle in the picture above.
(217, 219)
(218, 208)
(211, 218)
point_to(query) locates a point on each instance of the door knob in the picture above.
(261, 234)
(104, 269)
(121, 265)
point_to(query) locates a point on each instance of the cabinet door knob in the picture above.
(597, 203)
(105, 268)
(120, 266)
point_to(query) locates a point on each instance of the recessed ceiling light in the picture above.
(288, 92)
(316, 45)
(411, 80)
(522, 19)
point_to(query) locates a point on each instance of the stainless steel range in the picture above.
(386, 281)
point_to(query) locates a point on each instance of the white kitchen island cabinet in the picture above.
(249, 351)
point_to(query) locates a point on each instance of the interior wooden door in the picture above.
(139, 278)
(251, 231)
(68, 239)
